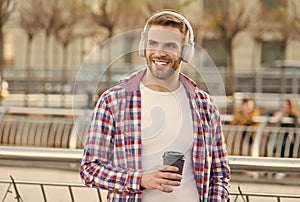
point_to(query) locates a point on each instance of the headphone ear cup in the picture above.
(187, 52)
(142, 46)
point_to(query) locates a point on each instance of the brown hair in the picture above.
(167, 19)
(246, 100)
(292, 105)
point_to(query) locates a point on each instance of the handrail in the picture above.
(45, 111)
(83, 112)
(259, 119)
(40, 154)
(246, 163)
(32, 182)
(272, 164)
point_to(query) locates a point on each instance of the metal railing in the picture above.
(52, 155)
(43, 186)
(246, 196)
(61, 128)
(67, 128)
(265, 140)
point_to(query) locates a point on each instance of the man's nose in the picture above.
(160, 50)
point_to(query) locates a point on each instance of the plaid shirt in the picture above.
(113, 151)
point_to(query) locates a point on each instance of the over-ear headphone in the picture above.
(187, 50)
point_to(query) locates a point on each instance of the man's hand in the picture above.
(161, 175)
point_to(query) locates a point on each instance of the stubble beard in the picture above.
(160, 74)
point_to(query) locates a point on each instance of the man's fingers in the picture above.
(168, 168)
(170, 182)
(167, 189)
(171, 176)
(159, 176)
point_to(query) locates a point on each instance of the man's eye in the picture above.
(152, 44)
(171, 46)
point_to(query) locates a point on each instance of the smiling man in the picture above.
(155, 110)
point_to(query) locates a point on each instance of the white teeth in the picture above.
(160, 63)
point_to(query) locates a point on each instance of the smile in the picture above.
(160, 62)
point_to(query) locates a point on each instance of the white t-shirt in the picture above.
(167, 125)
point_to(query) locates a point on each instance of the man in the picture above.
(155, 110)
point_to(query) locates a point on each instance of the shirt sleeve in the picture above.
(96, 168)
(220, 170)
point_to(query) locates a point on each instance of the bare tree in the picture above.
(50, 21)
(228, 23)
(295, 20)
(285, 31)
(107, 15)
(30, 25)
(71, 20)
(167, 4)
(133, 15)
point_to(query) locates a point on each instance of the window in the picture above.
(272, 50)
(272, 10)
(216, 51)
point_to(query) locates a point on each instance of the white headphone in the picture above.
(187, 50)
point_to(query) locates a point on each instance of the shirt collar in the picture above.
(132, 83)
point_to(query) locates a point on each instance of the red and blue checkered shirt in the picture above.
(113, 150)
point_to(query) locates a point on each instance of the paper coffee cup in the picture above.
(174, 158)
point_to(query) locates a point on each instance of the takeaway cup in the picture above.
(174, 158)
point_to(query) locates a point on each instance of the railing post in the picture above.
(71, 193)
(99, 195)
(7, 192)
(257, 138)
(43, 192)
(18, 196)
(2, 113)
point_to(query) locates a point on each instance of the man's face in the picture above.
(163, 51)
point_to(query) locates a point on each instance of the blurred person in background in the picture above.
(288, 114)
(243, 116)
(245, 113)
(287, 117)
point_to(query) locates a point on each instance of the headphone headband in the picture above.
(181, 17)
(188, 49)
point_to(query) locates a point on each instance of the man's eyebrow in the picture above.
(166, 43)
(151, 40)
(171, 43)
